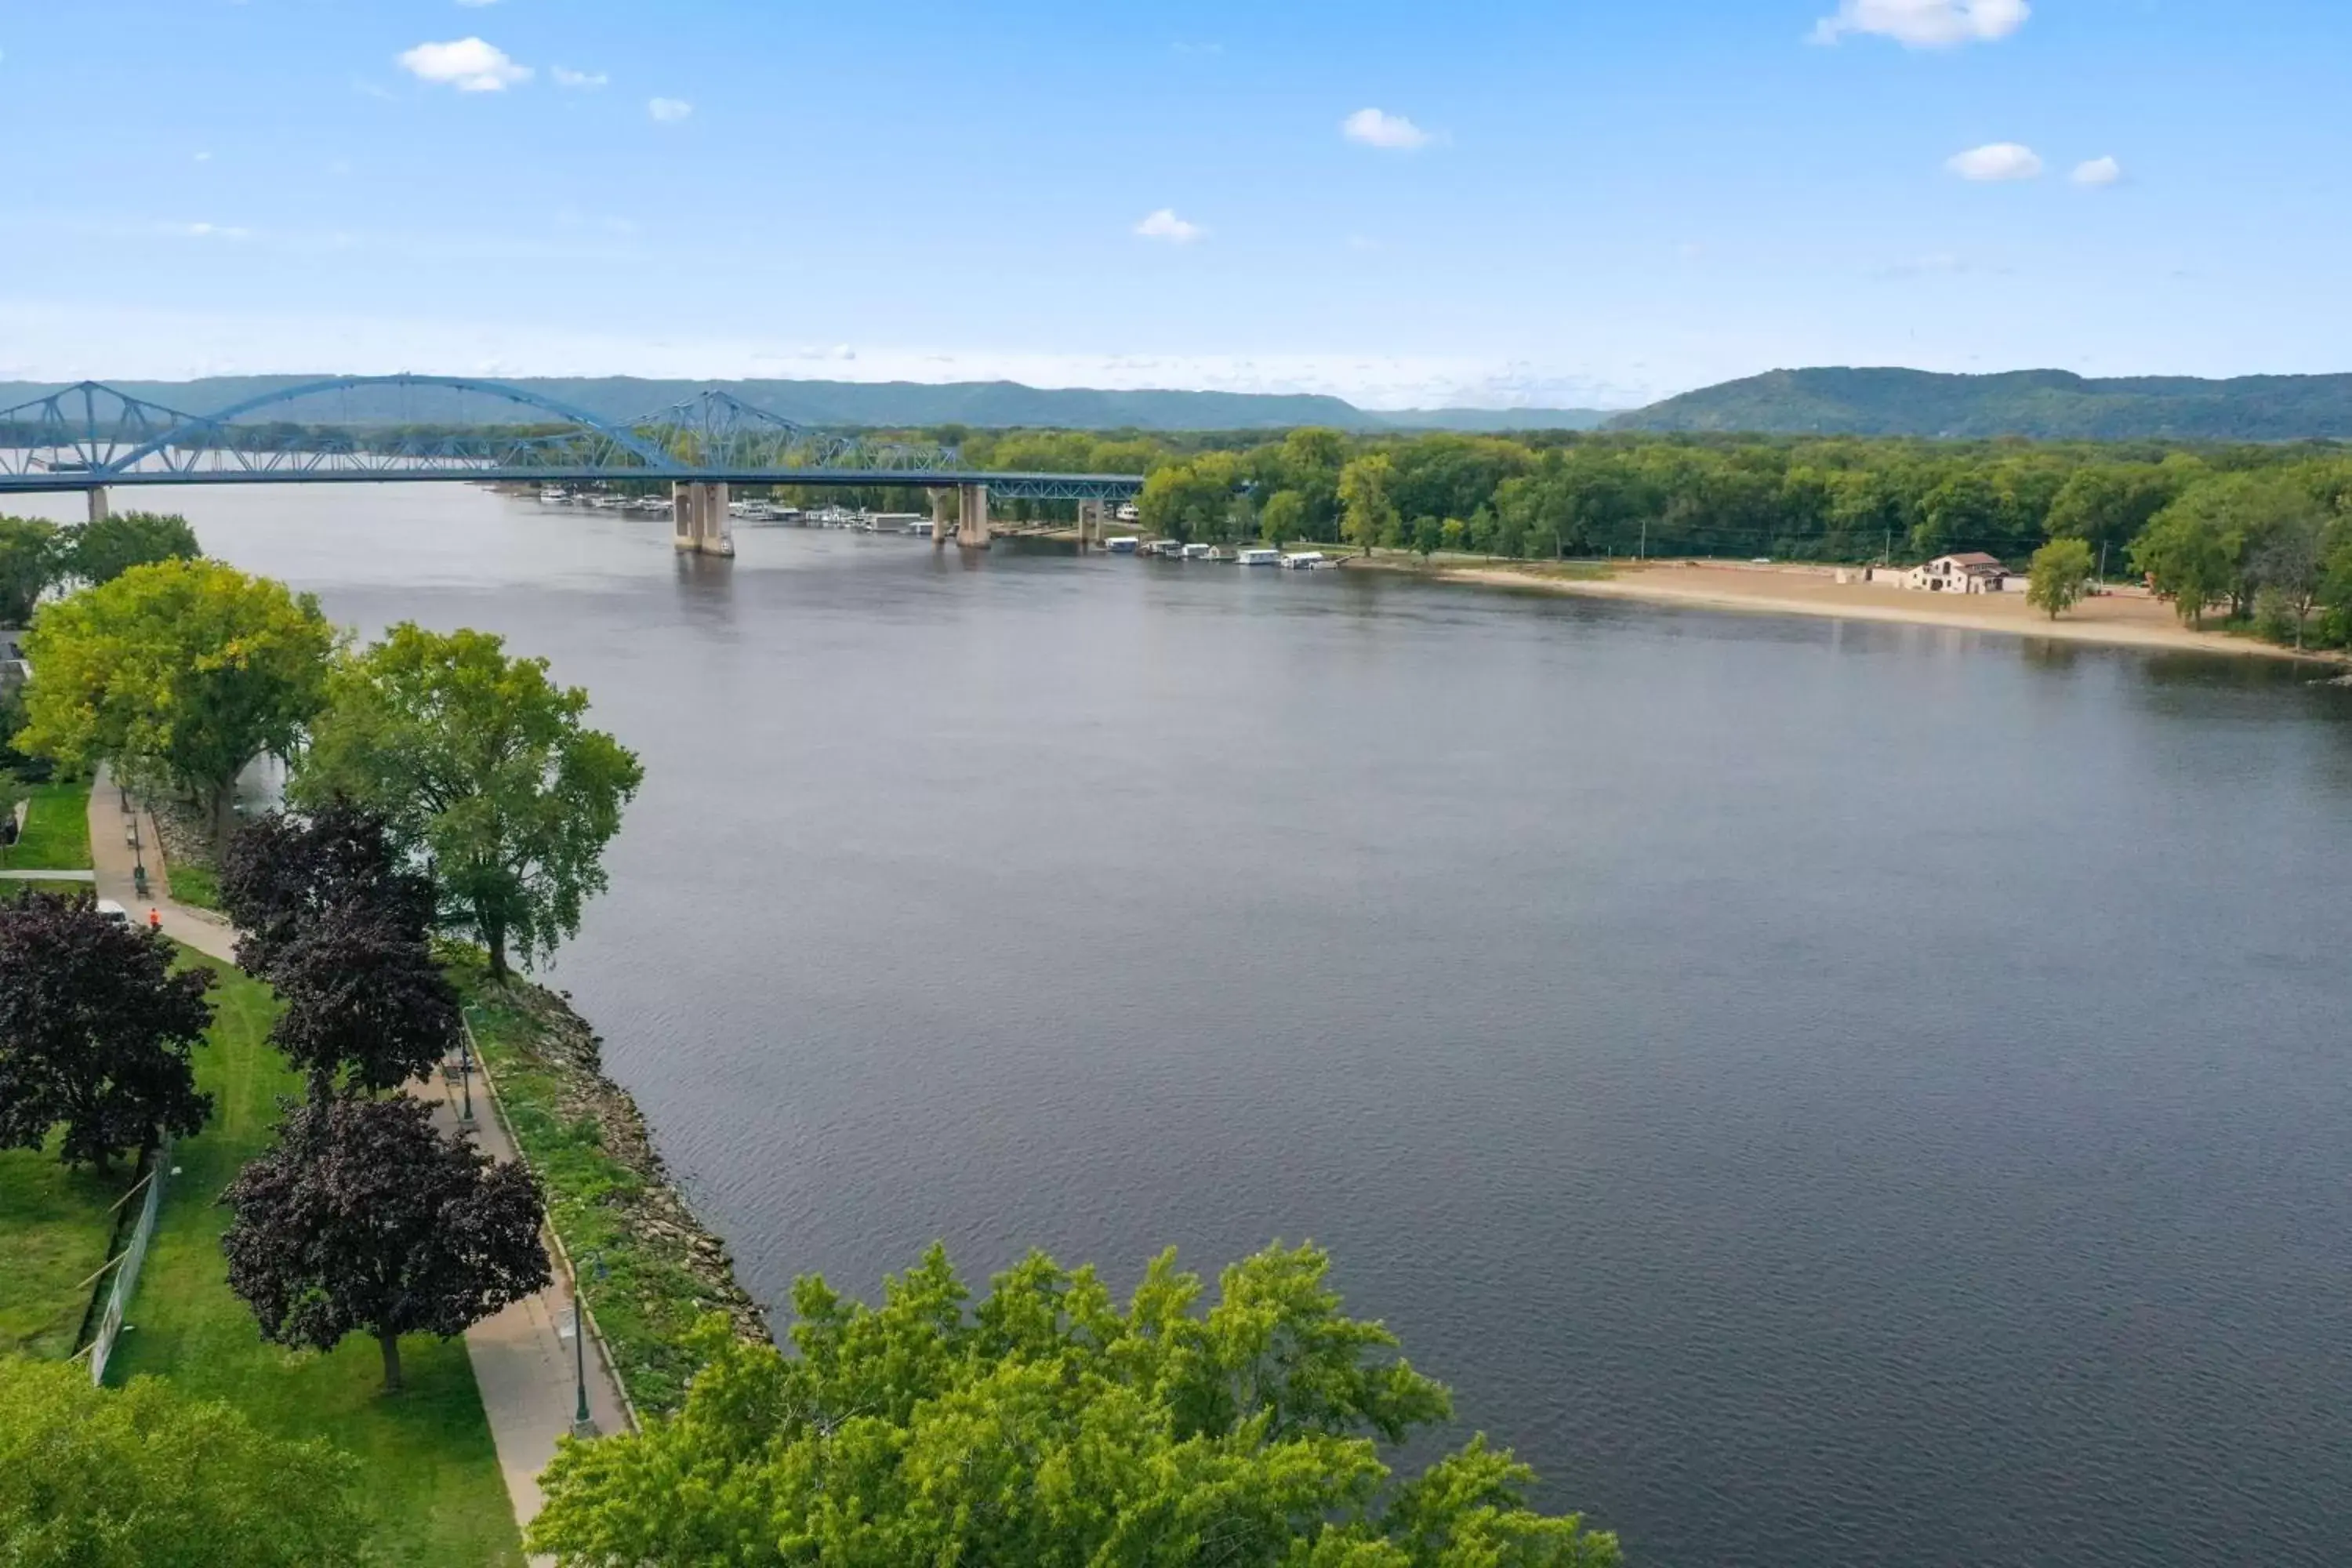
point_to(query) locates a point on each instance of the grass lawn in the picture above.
(54, 1226)
(432, 1471)
(195, 885)
(57, 832)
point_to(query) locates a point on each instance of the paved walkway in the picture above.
(522, 1362)
(11, 874)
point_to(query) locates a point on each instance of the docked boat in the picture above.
(554, 496)
(1200, 552)
(1260, 558)
(1307, 561)
(1123, 545)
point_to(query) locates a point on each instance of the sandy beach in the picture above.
(2125, 617)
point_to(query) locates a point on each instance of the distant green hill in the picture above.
(991, 405)
(2048, 405)
(893, 405)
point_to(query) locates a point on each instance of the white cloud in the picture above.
(1374, 128)
(208, 231)
(469, 65)
(2098, 172)
(1165, 225)
(203, 157)
(477, 2)
(566, 76)
(2000, 161)
(668, 110)
(1925, 24)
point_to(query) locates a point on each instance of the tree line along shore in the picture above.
(2253, 538)
(294, 1393)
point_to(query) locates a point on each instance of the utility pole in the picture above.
(1642, 552)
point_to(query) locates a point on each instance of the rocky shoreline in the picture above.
(651, 1270)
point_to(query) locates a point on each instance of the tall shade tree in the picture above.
(2060, 575)
(143, 1476)
(481, 762)
(2187, 556)
(362, 1218)
(282, 873)
(363, 999)
(31, 559)
(1366, 511)
(186, 668)
(102, 551)
(1283, 517)
(1049, 1427)
(97, 1032)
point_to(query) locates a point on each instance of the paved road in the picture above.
(522, 1362)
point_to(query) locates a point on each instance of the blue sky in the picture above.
(1552, 200)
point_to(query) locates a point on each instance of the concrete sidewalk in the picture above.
(523, 1363)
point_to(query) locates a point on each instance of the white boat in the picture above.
(1123, 545)
(1304, 560)
(551, 496)
(1200, 552)
(1260, 558)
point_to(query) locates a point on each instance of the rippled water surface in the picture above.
(1825, 1094)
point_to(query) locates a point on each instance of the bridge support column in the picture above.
(971, 525)
(700, 520)
(98, 503)
(939, 518)
(1086, 509)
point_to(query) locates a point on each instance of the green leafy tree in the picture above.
(481, 762)
(143, 1477)
(1428, 536)
(98, 1033)
(363, 1219)
(102, 551)
(2290, 564)
(1048, 1427)
(190, 669)
(1368, 514)
(2187, 557)
(1283, 517)
(2060, 575)
(31, 560)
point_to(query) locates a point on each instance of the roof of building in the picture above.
(1974, 558)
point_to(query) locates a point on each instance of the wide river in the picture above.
(1825, 1094)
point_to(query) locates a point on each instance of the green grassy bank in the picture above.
(649, 1269)
(56, 830)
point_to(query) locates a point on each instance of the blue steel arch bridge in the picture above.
(93, 439)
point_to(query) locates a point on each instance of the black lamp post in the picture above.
(584, 1425)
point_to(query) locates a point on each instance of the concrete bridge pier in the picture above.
(700, 523)
(99, 509)
(1087, 512)
(939, 519)
(972, 524)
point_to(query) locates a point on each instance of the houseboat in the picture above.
(1260, 558)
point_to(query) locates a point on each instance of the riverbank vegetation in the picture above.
(649, 1269)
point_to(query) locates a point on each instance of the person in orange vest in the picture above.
(155, 919)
